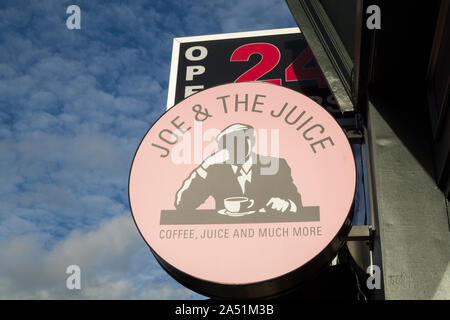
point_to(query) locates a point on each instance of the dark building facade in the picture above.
(393, 75)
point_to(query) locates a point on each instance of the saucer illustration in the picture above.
(235, 214)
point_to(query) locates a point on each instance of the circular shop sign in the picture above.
(243, 190)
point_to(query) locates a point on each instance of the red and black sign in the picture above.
(281, 58)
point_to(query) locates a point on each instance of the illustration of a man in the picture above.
(235, 171)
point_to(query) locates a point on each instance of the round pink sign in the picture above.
(242, 186)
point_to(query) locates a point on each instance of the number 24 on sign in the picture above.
(270, 56)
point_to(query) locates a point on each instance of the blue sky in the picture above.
(74, 105)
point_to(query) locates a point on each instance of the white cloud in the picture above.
(112, 259)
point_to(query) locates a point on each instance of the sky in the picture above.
(74, 105)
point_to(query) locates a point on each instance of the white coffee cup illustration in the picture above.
(238, 204)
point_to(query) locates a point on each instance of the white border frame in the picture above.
(221, 36)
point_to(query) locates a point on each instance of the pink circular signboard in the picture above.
(243, 190)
